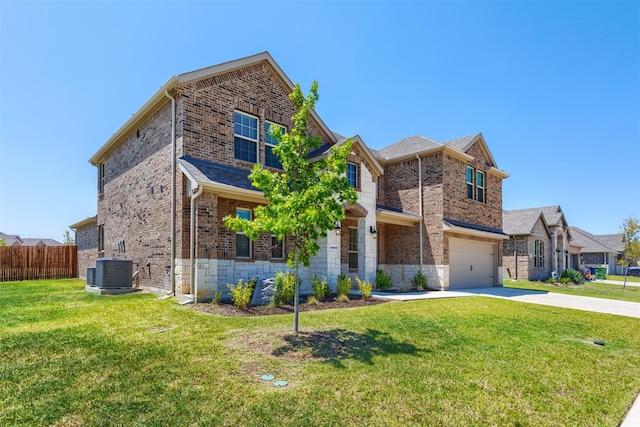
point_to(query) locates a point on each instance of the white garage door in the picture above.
(471, 264)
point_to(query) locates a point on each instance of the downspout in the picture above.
(193, 283)
(173, 191)
(421, 212)
(515, 255)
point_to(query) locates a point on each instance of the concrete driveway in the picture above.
(598, 305)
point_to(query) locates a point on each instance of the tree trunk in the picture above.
(296, 299)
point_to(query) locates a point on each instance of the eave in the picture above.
(384, 216)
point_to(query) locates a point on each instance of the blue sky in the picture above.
(554, 87)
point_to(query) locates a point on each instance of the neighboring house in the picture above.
(539, 243)
(16, 240)
(599, 250)
(178, 166)
(86, 239)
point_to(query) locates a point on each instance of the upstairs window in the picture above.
(271, 159)
(243, 243)
(480, 186)
(101, 238)
(538, 253)
(470, 183)
(101, 178)
(352, 175)
(245, 137)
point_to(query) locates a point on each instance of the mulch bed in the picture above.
(226, 307)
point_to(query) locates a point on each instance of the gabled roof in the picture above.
(521, 222)
(16, 240)
(553, 217)
(419, 145)
(160, 98)
(11, 239)
(610, 243)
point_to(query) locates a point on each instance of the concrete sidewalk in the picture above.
(617, 282)
(598, 305)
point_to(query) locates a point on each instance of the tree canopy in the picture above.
(306, 198)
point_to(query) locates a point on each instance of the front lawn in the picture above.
(586, 289)
(68, 357)
(632, 279)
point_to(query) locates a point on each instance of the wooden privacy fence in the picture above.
(38, 262)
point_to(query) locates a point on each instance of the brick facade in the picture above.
(135, 204)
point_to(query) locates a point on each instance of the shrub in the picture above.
(217, 297)
(404, 288)
(241, 293)
(550, 280)
(312, 300)
(564, 280)
(320, 287)
(285, 285)
(364, 287)
(419, 281)
(383, 280)
(573, 276)
(342, 298)
(344, 285)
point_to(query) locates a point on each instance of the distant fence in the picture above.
(38, 262)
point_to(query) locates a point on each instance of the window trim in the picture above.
(246, 138)
(240, 233)
(481, 189)
(356, 177)
(101, 238)
(350, 251)
(471, 184)
(281, 243)
(268, 144)
(538, 253)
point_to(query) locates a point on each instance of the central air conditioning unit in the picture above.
(91, 276)
(113, 273)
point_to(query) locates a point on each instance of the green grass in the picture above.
(586, 289)
(68, 357)
(621, 278)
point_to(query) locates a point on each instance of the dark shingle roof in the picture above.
(596, 243)
(215, 172)
(520, 221)
(413, 144)
(473, 226)
(463, 143)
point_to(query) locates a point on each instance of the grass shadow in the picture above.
(336, 345)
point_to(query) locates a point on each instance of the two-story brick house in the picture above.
(178, 166)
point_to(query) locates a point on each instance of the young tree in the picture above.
(306, 200)
(67, 239)
(2, 242)
(631, 241)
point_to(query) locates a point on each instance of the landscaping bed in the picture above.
(226, 307)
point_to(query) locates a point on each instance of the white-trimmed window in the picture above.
(353, 248)
(243, 243)
(277, 248)
(480, 186)
(470, 183)
(352, 175)
(245, 137)
(270, 159)
(538, 253)
(101, 178)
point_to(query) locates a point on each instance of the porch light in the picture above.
(372, 230)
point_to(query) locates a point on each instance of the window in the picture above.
(352, 175)
(475, 185)
(277, 248)
(101, 238)
(470, 183)
(245, 137)
(538, 253)
(480, 186)
(101, 178)
(271, 159)
(243, 243)
(353, 248)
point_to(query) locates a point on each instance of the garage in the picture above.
(471, 264)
